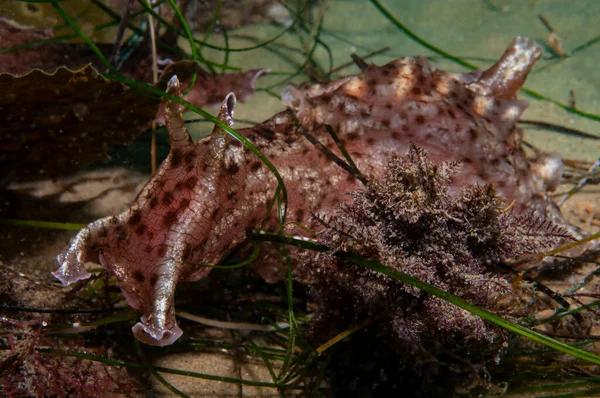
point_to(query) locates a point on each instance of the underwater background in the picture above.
(297, 41)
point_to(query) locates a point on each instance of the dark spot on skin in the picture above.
(416, 91)
(451, 113)
(140, 230)
(191, 182)
(300, 215)
(371, 140)
(103, 233)
(395, 135)
(388, 105)
(233, 168)
(135, 218)
(305, 151)
(162, 250)
(353, 136)
(150, 235)
(405, 127)
(153, 280)
(185, 202)
(167, 198)
(255, 166)
(495, 162)
(420, 119)
(214, 214)
(472, 134)
(176, 157)
(265, 133)
(121, 232)
(372, 82)
(364, 114)
(351, 178)
(186, 253)
(169, 218)
(384, 72)
(289, 139)
(160, 184)
(189, 157)
(341, 106)
(148, 249)
(231, 195)
(251, 225)
(138, 276)
(153, 203)
(386, 123)
(178, 186)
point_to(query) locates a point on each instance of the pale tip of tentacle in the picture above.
(173, 86)
(227, 109)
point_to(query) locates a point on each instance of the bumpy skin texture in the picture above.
(208, 194)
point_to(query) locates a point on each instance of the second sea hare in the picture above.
(208, 194)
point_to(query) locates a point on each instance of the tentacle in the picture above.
(506, 77)
(180, 137)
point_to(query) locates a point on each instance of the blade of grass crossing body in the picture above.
(342, 148)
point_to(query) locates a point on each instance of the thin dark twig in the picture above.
(326, 150)
(561, 129)
(353, 62)
(121, 32)
(361, 63)
(546, 23)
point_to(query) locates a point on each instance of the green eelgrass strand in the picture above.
(83, 36)
(42, 224)
(134, 365)
(219, 48)
(196, 56)
(155, 373)
(253, 256)
(412, 281)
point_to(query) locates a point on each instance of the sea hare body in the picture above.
(208, 194)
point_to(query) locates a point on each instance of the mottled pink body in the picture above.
(208, 194)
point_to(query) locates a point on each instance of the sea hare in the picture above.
(208, 194)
